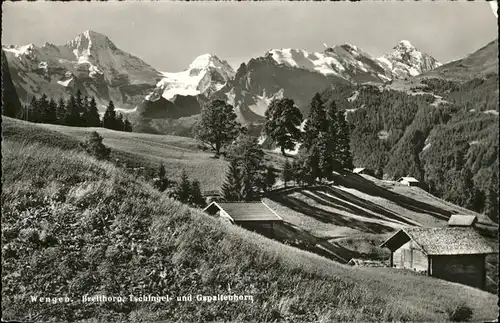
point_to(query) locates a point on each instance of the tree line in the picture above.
(76, 111)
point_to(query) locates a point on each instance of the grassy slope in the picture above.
(135, 149)
(72, 225)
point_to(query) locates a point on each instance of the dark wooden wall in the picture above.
(463, 269)
(411, 257)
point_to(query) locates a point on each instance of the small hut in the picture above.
(363, 170)
(409, 181)
(455, 253)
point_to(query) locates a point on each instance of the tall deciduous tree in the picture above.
(218, 126)
(283, 120)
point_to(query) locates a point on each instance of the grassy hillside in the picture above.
(131, 149)
(135, 150)
(74, 226)
(351, 218)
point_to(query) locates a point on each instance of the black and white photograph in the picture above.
(240, 161)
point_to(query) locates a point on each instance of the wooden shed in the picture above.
(363, 170)
(456, 254)
(409, 181)
(255, 216)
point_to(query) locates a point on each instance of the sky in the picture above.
(169, 35)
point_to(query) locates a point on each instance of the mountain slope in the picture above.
(475, 65)
(90, 63)
(180, 95)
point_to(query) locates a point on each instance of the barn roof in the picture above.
(245, 211)
(408, 179)
(462, 220)
(441, 241)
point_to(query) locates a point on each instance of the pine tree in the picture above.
(316, 122)
(287, 174)
(283, 120)
(344, 139)
(72, 116)
(491, 203)
(109, 118)
(161, 183)
(31, 110)
(119, 124)
(128, 126)
(80, 107)
(231, 189)
(269, 179)
(52, 112)
(61, 111)
(217, 126)
(91, 115)
(42, 109)
(161, 171)
(183, 189)
(195, 196)
(302, 170)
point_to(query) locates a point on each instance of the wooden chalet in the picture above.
(255, 216)
(455, 253)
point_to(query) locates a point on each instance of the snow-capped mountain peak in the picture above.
(205, 75)
(89, 62)
(90, 39)
(404, 44)
(405, 59)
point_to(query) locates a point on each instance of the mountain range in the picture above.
(94, 65)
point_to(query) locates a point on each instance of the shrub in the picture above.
(461, 313)
(93, 146)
